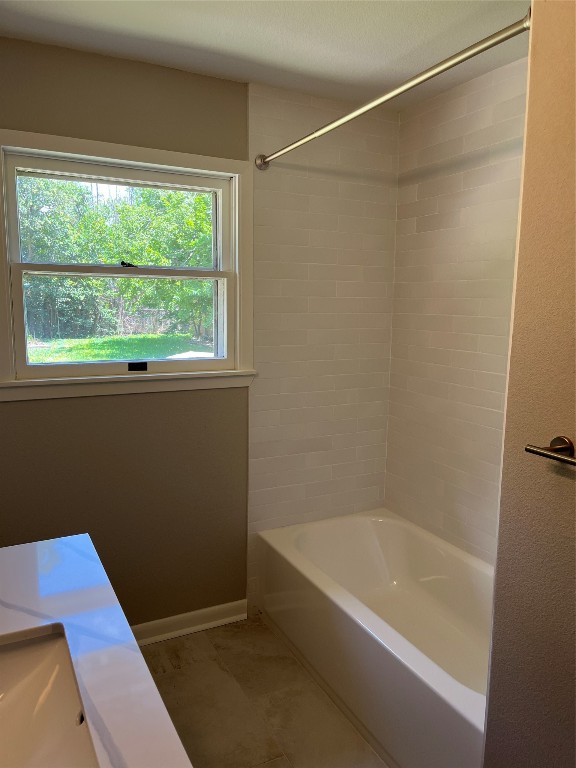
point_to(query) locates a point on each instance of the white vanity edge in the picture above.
(126, 716)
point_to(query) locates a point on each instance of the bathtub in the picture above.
(396, 624)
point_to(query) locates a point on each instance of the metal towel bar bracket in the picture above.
(561, 448)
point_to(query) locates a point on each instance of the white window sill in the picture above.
(94, 386)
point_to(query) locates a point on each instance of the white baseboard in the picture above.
(186, 623)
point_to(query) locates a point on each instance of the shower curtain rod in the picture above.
(263, 161)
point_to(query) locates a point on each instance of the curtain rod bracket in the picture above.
(528, 19)
(260, 162)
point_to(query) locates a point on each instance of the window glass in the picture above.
(82, 318)
(95, 221)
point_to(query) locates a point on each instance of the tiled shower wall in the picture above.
(324, 230)
(459, 183)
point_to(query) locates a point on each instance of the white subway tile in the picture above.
(308, 288)
(323, 419)
(417, 208)
(379, 274)
(267, 287)
(366, 289)
(336, 205)
(366, 225)
(280, 305)
(491, 326)
(379, 211)
(328, 487)
(516, 70)
(289, 477)
(293, 353)
(406, 226)
(494, 345)
(264, 418)
(441, 151)
(367, 257)
(280, 271)
(485, 194)
(456, 401)
(269, 496)
(502, 170)
(334, 239)
(330, 457)
(266, 199)
(313, 399)
(509, 108)
(306, 384)
(275, 465)
(494, 134)
(437, 221)
(490, 381)
(281, 236)
(378, 242)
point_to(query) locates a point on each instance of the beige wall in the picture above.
(159, 480)
(459, 183)
(53, 90)
(531, 692)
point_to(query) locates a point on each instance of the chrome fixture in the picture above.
(561, 448)
(263, 161)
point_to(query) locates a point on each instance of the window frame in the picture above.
(50, 156)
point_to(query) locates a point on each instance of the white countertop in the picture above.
(62, 580)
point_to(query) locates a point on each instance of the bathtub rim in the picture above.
(470, 704)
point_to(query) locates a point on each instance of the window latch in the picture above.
(127, 264)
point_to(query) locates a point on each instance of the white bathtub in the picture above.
(395, 621)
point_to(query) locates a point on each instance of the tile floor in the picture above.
(239, 699)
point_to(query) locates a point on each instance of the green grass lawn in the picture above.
(137, 347)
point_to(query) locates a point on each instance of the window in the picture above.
(119, 269)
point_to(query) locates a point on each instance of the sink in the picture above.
(42, 723)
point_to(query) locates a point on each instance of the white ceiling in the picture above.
(350, 49)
